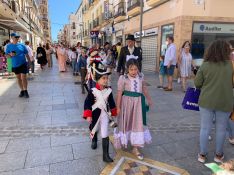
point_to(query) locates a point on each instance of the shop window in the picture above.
(167, 30)
(205, 33)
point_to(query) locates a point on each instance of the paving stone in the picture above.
(42, 170)
(82, 166)
(48, 155)
(83, 150)
(12, 161)
(3, 145)
(65, 140)
(17, 145)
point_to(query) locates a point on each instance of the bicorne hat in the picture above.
(98, 70)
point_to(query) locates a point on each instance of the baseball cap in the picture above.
(15, 35)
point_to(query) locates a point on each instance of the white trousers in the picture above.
(104, 123)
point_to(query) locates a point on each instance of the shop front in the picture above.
(204, 33)
(149, 48)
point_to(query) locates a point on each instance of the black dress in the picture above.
(41, 56)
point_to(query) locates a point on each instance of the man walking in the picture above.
(17, 52)
(129, 52)
(170, 61)
(30, 53)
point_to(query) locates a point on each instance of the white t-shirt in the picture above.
(30, 52)
(170, 55)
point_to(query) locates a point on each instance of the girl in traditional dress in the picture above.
(99, 106)
(62, 56)
(131, 110)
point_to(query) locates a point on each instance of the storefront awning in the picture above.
(14, 25)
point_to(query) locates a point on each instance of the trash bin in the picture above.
(9, 65)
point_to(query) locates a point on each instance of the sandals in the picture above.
(137, 153)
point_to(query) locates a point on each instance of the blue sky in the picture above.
(59, 11)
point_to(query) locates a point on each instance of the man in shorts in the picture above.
(170, 61)
(18, 53)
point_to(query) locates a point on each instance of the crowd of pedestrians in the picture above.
(95, 65)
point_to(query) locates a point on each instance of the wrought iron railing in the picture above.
(120, 10)
(133, 4)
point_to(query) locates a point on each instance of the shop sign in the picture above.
(213, 28)
(151, 32)
(137, 34)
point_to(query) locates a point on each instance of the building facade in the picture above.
(72, 30)
(198, 21)
(45, 21)
(22, 16)
(80, 24)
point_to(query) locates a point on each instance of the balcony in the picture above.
(133, 7)
(91, 3)
(153, 3)
(120, 13)
(13, 5)
(43, 3)
(96, 23)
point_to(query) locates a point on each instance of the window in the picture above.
(205, 33)
(167, 30)
(74, 33)
(73, 25)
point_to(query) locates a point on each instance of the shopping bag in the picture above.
(9, 65)
(191, 97)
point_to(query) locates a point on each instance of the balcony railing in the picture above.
(133, 4)
(13, 5)
(120, 10)
(107, 16)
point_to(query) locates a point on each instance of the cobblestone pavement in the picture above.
(46, 135)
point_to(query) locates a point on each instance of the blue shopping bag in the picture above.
(191, 97)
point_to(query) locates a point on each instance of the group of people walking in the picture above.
(131, 105)
(95, 65)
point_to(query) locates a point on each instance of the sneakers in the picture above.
(26, 94)
(21, 94)
(231, 141)
(218, 158)
(160, 87)
(201, 158)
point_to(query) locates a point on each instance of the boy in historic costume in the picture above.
(99, 106)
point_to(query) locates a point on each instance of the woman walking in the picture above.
(49, 51)
(185, 64)
(62, 57)
(214, 78)
(41, 56)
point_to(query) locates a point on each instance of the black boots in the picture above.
(94, 142)
(105, 148)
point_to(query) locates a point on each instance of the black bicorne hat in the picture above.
(98, 70)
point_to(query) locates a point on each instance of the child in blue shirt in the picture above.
(161, 72)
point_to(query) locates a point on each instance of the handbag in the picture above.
(190, 100)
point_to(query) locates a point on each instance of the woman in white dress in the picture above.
(185, 62)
